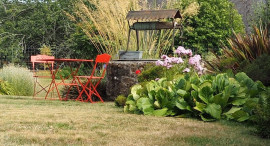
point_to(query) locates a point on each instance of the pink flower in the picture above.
(164, 56)
(189, 52)
(177, 60)
(156, 79)
(194, 60)
(186, 70)
(182, 51)
(159, 63)
(169, 66)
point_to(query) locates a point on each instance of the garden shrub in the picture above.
(5, 88)
(259, 69)
(215, 21)
(262, 117)
(19, 78)
(209, 97)
(151, 73)
(120, 101)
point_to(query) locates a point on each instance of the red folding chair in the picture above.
(92, 81)
(36, 75)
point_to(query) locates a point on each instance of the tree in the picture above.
(215, 22)
(26, 25)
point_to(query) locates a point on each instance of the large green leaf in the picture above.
(188, 86)
(183, 105)
(214, 110)
(195, 95)
(239, 102)
(231, 111)
(181, 84)
(130, 106)
(181, 92)
(206, 83)
(150, 86)
(145, 105)
(244, 80)
(240, 116)
(152, 95)
(196, 88)
(220, 82)
(205, 94)
(200, 106)
(134, 90)
(160, 112)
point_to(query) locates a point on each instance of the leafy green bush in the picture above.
(262, 116)
(214, 23)
(151, 73)
(120, 101)
(209, 97)
(19, 78)
(5, 88)
(259, 69)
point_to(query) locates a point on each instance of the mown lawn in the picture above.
(25, 121)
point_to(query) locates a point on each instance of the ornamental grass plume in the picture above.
(105, 24)
(20, 79)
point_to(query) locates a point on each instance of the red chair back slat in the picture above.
(103, 58)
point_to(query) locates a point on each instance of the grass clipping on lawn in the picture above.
(25, 121)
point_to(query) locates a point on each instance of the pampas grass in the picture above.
(104, 22)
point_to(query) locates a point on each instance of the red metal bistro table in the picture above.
(72, 75)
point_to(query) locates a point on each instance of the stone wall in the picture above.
(121, 76)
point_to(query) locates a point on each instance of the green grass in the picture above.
(25, 121)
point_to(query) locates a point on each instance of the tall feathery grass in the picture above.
(104, 22)
(19, 78)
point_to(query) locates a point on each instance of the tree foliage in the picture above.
(215, 21)
(27, 25)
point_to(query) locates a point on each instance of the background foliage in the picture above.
(26, 26)
(215, 21)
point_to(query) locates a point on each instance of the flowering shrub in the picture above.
(184, 59)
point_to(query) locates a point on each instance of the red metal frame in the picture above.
(34, 60)
(90, 87)
(54, 84)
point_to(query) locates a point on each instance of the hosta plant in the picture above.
(223, 96)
